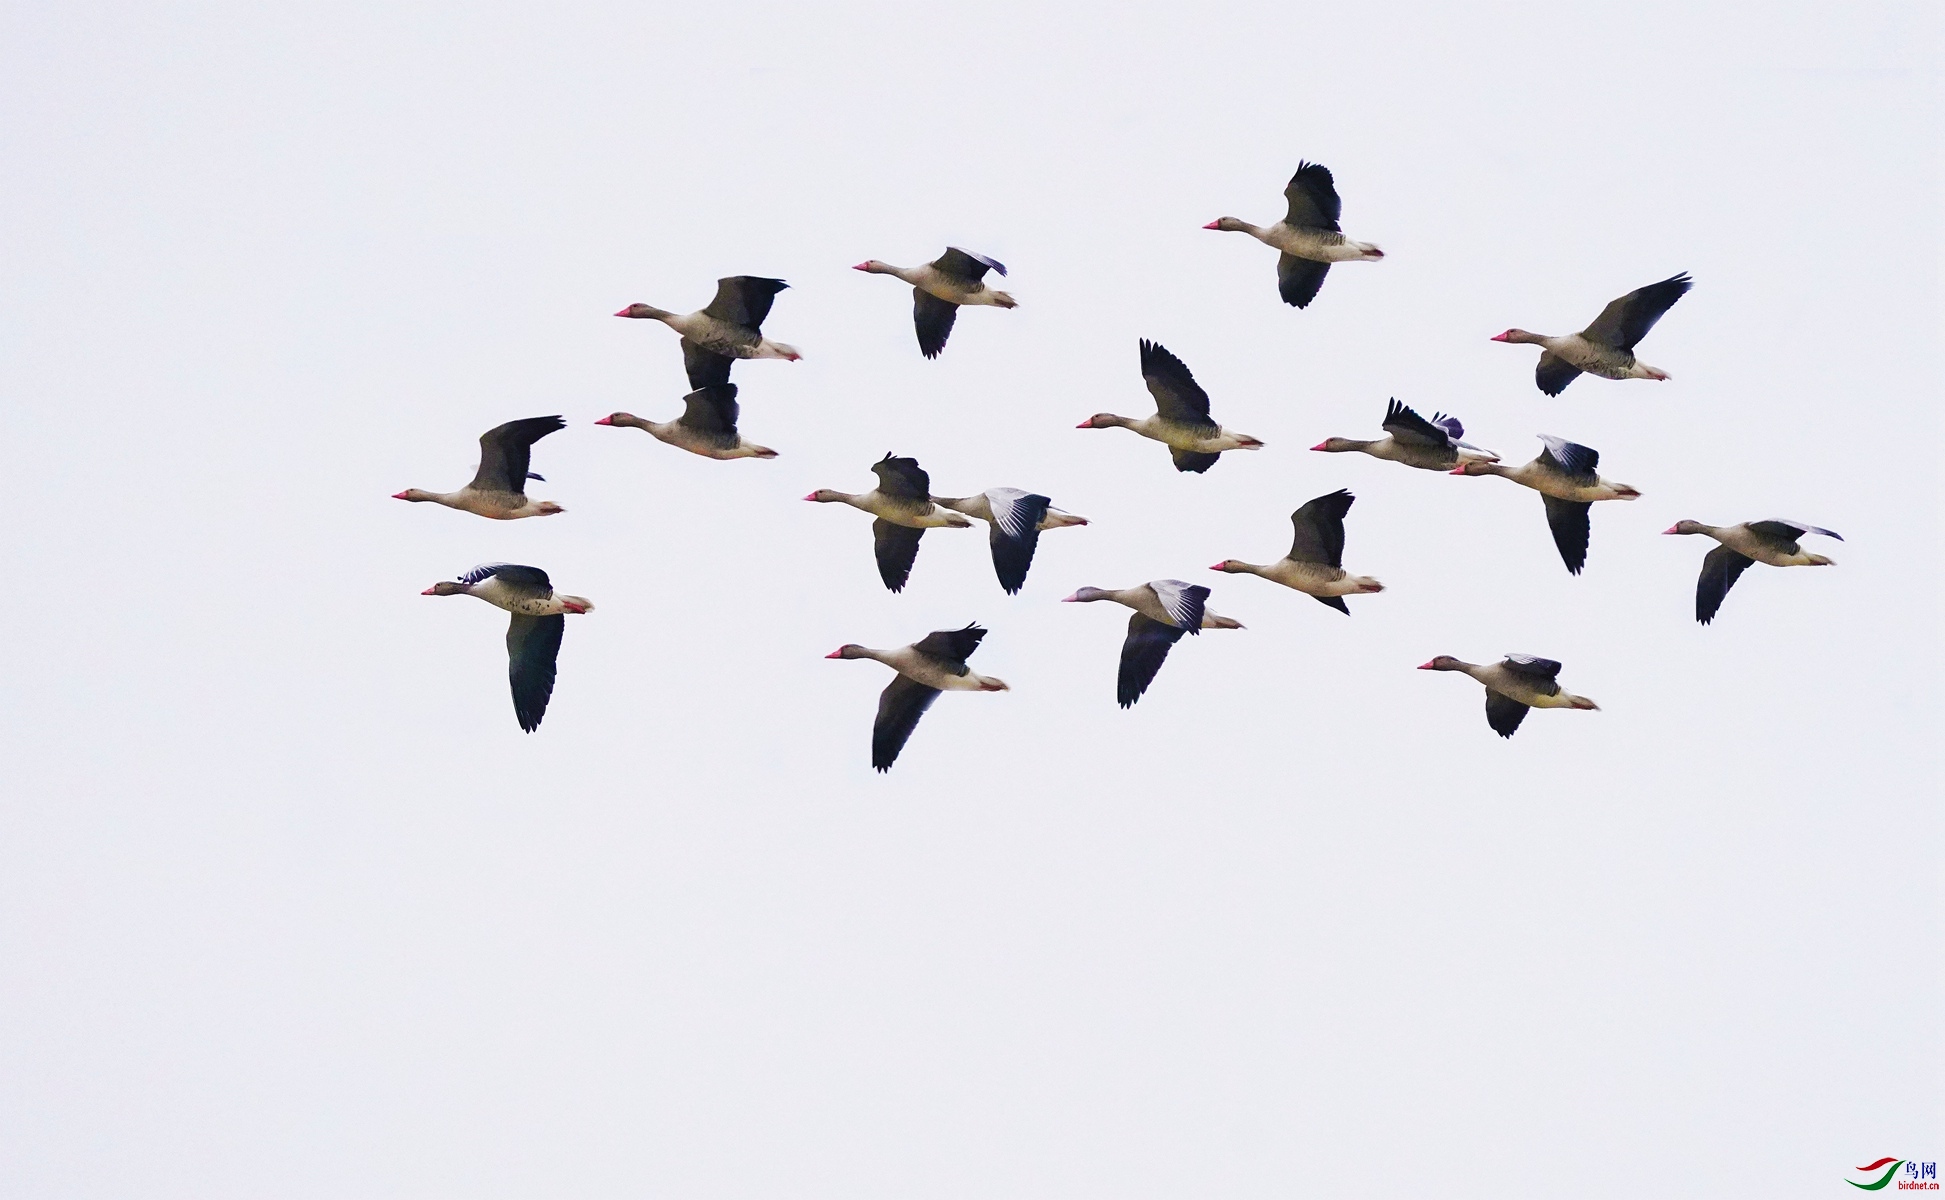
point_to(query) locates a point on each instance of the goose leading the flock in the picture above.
(499, 487)
(707, 425)
(1165, 609)
(934, 664)
(727, 329)
(1605, 348)
(534, 634)
(1513, 685)
(938, 289)
(1773, 543)
(1308, 235)
(1315, 564)
(903, 504)
(1410, 439)
(1181, 421)
(1017, 518)
(1564, 476)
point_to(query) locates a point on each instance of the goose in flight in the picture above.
(903, 504)
(1165, 609)
(499, 487)
(1564, 476)
(707, 425)
(1410, 439)
(1605, 348)
(727, 329)
(533, 635)
(1016, 518)
(938, 289)
(1181, 421)
(1513, 685)
(933, 664)
(1308, 235)
(1772, 543)
(1315, 564)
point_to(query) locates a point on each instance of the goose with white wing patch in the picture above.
(1165, 610)
(1016, 518)
(1410, 439)
(533, 635)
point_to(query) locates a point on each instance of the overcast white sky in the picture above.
(289, 906)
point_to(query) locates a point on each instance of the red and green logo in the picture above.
(1888, 1165)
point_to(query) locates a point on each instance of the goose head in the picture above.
(1444, 662)
(621, 420)
(1683, 527)
(1102, 421)
(447, 587)
(826, 496)
(1086, 595)
(872, 266)
(1230, 566)
(1227, 225)
(850, 650)
(413, 494)
(1518, 335)
(643, 312)
(1337, 445)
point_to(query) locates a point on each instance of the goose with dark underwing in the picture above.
(1315, 564)
(1308, 236)
(499, 486)
(940, 287)
(903, 505)
(1515, 684)
(729, 327)
(1410, 439)
(533, 635)
(1605, 348)
(935, 663)
(1016, 518)
(1772, 543)
(1564, 476)
(707, 425)
(1165, 610)
(1181, 421)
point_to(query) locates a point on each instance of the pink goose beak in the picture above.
(605, 421)
(400, 496)
(1456, 471)
(863, 266)
(1426, 667)
(1213, 225)
(429, 592)
(1219, 566)
(1073, 599)
(1669, 530)
(1087, 424)
(1320, 446)
(1500, 337)
(812, 496)
(835, 654)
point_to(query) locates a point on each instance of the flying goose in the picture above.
(1771, 542)
(1181, 421)
(1165, 609)
(1564, 476)
(903, 504)
(1513, 685)
(1315, 564)
(1017, 518)
(1432, 445)
(499, 487)
(938, 289)
(1308, 235)
(707, 425)
(726, 330)
(934, 664)
(1605, 348)
(534, 634)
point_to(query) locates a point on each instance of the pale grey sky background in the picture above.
(289, 906)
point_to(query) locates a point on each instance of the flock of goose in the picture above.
(1308, 240)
